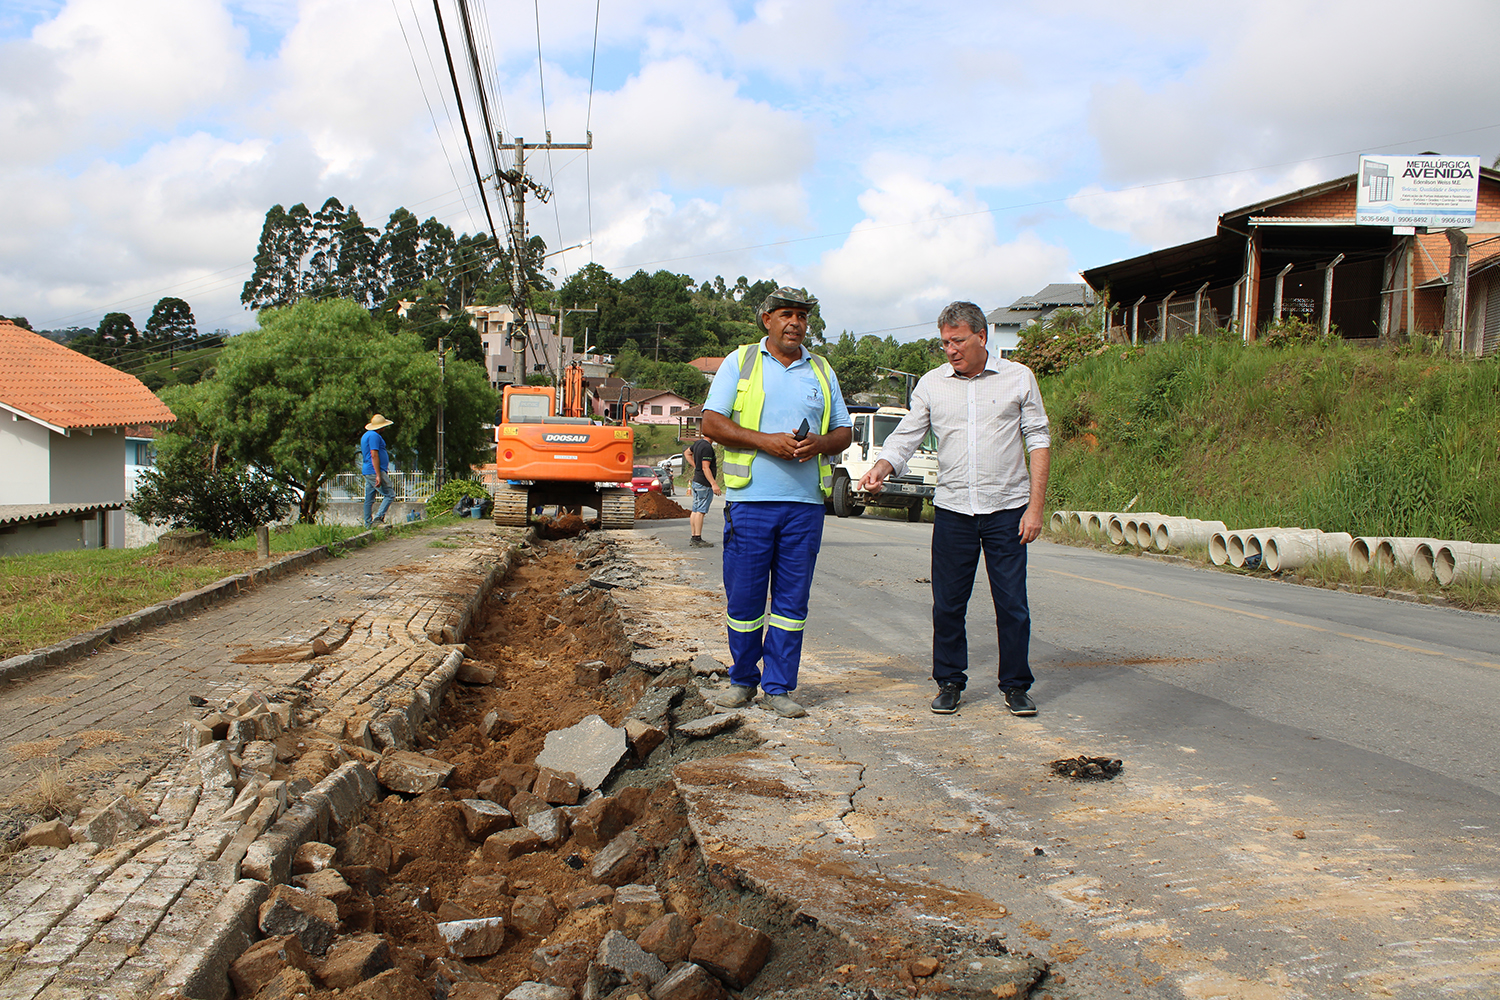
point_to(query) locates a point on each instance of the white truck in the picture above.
(906, 492)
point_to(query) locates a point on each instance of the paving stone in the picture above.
(524, 805)
(553, 787)
(599, 822)
(353, 960)
(476, 991)
(392, 984)
(669, 938)
(289, 910)
(732, 951)
(624, 860)
(533, 915)
(312, 857)
(53, 833)
(483, 817)
(473, 938)
(643, 737)
(261, 962)
(590, 750)
(594, 895)
(635, 907)
(412, 773)
(628, 960)
(507, 845)
(539, 991)
(326, 883)
(591, 673)
(552, 826)
(689, 982)
(288, 984)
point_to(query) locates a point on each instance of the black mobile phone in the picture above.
(801, 431)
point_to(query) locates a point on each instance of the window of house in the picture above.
(656, 411)
(674, 409)
(500, 368)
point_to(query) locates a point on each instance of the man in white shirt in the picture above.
(987, 415)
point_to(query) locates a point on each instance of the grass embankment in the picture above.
(48, 597)
(1336, 437)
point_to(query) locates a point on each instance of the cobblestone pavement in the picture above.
(121, 912)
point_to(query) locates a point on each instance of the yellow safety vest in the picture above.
(749, 399)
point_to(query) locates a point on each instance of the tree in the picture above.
(188, 489)
(20, 321)
(171, 322)
(118, 329)
(284, 239)
(293, 397)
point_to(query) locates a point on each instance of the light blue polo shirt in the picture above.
(791, 394)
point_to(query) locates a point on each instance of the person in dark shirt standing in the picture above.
(705, 484)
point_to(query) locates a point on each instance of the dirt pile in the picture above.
(479, 867)
(655, 507)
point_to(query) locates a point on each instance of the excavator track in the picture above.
(511, 506)
(616, 508)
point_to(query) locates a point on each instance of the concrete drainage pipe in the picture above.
(1393, 553)
(1059, 520)
(1282, 552)
(1362, 552)
(1457, 561)
(1177, 533)
(1235, 542)
(1254, 542)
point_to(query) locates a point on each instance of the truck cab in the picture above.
(872, 425)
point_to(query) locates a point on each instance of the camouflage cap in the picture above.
(788, 298)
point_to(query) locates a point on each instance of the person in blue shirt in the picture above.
(779, 413)
(377, 467)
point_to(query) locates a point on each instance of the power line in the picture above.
(588, 125)
(468, 138)
(437, 131)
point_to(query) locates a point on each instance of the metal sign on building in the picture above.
(1439, 192)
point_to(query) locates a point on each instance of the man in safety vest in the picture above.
(777, 410)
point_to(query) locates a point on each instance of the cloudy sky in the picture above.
(889, 155)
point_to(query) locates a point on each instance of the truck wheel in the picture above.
(841, 503)
(914, 513)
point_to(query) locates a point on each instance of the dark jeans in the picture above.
(957, 540)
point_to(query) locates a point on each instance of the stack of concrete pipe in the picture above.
(1279, 549)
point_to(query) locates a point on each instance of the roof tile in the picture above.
(59, 386)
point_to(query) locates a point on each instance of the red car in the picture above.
(643, 479)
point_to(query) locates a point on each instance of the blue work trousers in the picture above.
(385, 489)
(775, 544)
(957, 540)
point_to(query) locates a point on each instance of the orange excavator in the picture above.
(546, 453)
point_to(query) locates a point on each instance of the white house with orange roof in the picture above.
(64, 423)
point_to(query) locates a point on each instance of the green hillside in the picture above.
(1334, 436)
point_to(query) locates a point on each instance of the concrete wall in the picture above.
(23, 457)
(69, 532)
(88, 468)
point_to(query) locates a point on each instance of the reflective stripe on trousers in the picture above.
(773, 544)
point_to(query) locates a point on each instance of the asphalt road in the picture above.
(1311, 791)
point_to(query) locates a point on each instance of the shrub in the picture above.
(188, 490)
(446, 498)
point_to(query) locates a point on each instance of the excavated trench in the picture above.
(559, 654)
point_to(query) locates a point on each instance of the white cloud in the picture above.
(922, 246)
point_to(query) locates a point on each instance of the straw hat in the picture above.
(377, 422)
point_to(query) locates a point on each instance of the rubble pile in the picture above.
(655, 507)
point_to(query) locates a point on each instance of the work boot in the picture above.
(1019, 702)
(784, 706)
(946, 703)
(738, 696)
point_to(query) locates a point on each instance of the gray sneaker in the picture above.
(738, 696)
(784, 706)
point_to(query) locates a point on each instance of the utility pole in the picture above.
(562, 317)
(519, 183)
(658, 342)
(443, 383)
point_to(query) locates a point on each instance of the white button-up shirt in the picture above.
(981, 424)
